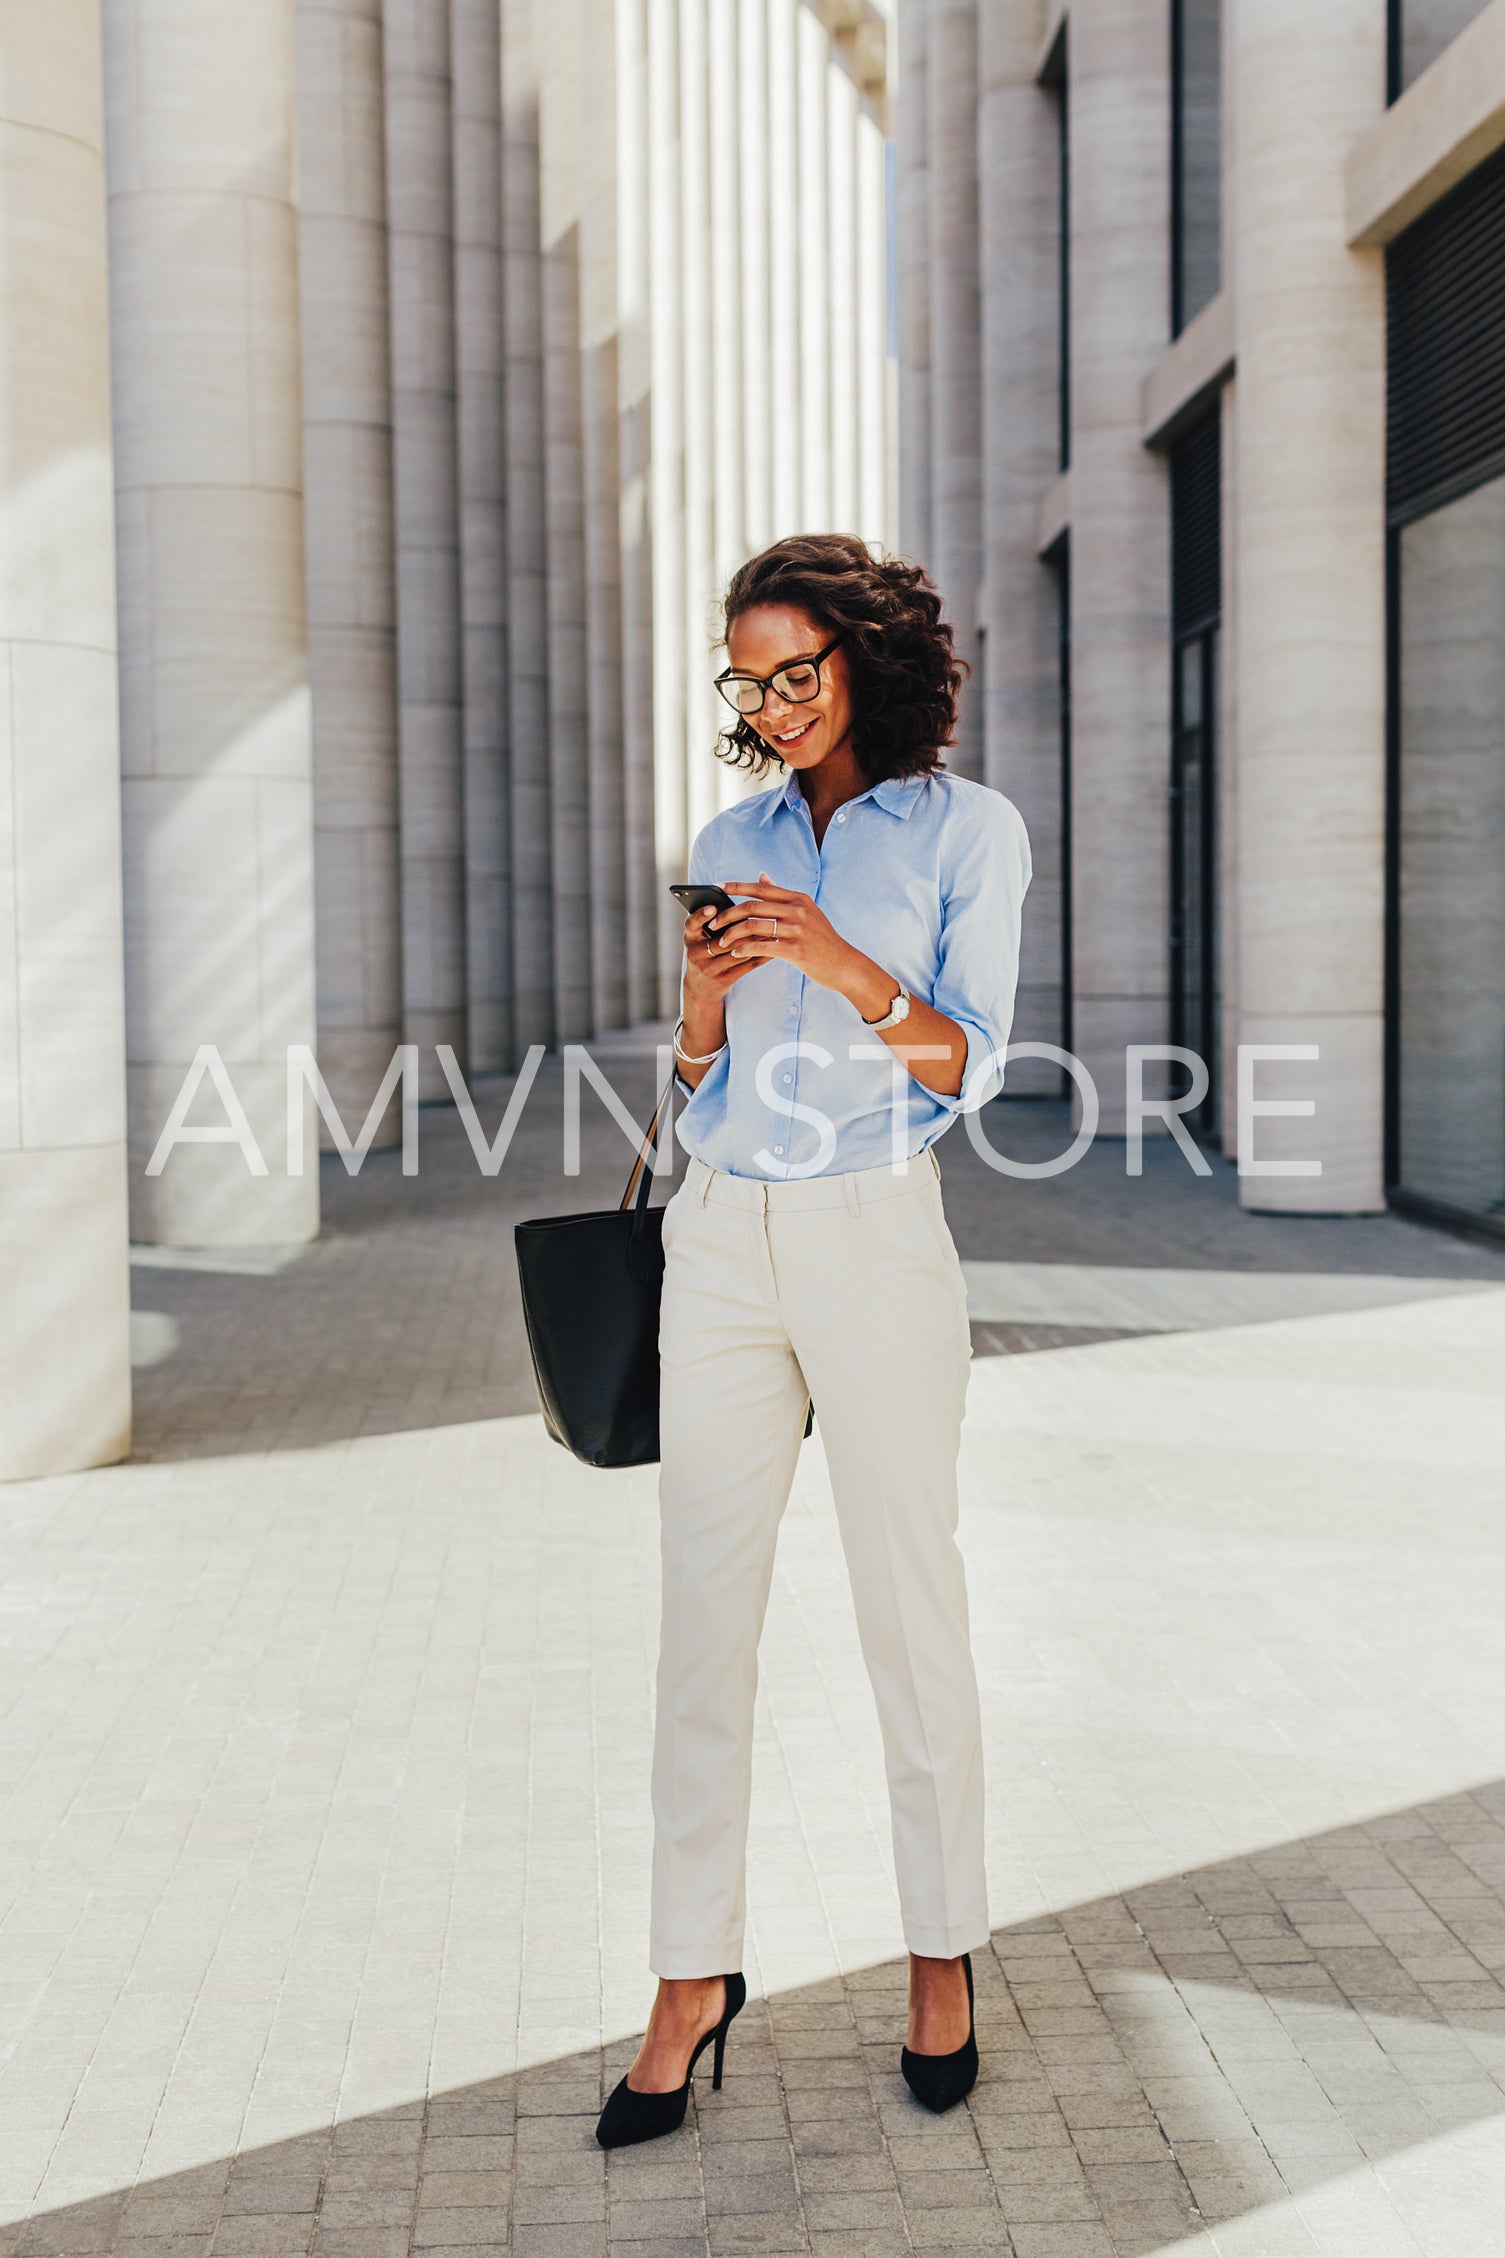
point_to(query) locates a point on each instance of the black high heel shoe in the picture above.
(942, 2080)
(630, 2116)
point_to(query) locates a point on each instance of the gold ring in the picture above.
(775, 929)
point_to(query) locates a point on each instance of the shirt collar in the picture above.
(898, 795)
(789, 797)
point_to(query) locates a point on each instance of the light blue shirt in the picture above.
(925, 875)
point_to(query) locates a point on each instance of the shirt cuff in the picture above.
(982, 1076)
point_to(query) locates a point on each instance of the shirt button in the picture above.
(788, 1077)
(778, 1149)
(841, 818)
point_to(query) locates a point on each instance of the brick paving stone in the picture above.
(149, 2215)
(646, 2219)
(853, 2209)
(557, 2206)
(1035, 2239)
(961, 2234)
(271, 2194)
(947, 2191)
(838, 2243)
(161, 2246)
(368, 2207)
(744, 2236)
(360, 2242)
(261, 2238)
(761, 2192)
(474, 2250)
(672, 2246)
(845, 2174)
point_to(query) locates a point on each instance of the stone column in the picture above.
(601, 502)
(785, 244)
(761, 445)
(1120, 540)
(635, 286)
(347, 478)
(475, 123)
(557, 36)
(420, 210)
(729, 344)
(1227, 779)
(667, 486)
(841, 215)
(697, 411)
(873, 413)
(217, 789)
(955, 364)
(65, 1391)
(729, 545)
(915, 499)
(1311, 578)
(527, 607)
(1019, 242)
(812, 51)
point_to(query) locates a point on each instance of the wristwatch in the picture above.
(896, 1014)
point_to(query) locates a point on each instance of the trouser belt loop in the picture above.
(854, 1204)
(706, 1182)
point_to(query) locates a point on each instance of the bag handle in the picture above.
(640, 1182)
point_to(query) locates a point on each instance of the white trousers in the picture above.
(847, 1289)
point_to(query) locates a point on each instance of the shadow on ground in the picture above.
(405, 1313)
(1154, 2066)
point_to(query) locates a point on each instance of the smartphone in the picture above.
(702, 897)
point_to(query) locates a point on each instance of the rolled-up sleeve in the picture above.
(985, 879)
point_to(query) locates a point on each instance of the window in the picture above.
(1445, 955)
(1063, 377)
(1196, 608)
(1419, 31)
(1196, 158)
(1060, 564)
(1053, 79)
(1448, 838)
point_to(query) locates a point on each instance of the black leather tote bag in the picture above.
(591, 1286)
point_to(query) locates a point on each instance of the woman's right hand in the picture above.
(709, 972)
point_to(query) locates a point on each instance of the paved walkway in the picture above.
(324, 1735)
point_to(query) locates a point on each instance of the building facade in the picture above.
(389, 386)
(1202, 418)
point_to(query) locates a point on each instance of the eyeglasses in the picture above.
(797, 683)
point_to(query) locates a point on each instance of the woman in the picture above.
(836, 1020)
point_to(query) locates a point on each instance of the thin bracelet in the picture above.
(685, 1057)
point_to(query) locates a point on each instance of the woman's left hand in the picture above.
(777, 922)
(774, 921)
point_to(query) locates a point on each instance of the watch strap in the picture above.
(898, 1010)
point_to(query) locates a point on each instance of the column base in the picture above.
(352, 1061)
(65, 1315)
(1346, 1133)
(206, 1195)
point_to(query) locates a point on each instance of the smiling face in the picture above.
(771, 636)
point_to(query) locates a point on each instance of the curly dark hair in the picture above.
(901, 660)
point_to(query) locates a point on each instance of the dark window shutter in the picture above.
(1197, 524)
(1445, 298)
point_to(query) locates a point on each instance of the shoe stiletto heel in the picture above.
(940, 2081)
(629, 2117)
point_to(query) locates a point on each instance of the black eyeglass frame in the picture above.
(766, 682)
